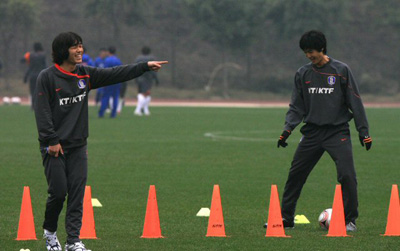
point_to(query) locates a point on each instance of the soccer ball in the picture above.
(324, 218)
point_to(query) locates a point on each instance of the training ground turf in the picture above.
(184, 152)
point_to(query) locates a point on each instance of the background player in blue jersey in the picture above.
(100, 60)
(110, 92)
(325, 97)
(86, 59)
(61, 111)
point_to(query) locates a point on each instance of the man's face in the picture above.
(316, 57)
(75, 54)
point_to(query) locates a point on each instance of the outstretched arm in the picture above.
(100, 77)
(156, 65)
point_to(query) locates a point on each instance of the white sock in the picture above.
(111, 103)
(146, 105)
(120, 103)
(139, 106)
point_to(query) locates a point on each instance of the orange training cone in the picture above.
(337, 226)
(216, 226)
(88, 230)
(151, 227)
(393, 219)
(26, 227)
(275, 224)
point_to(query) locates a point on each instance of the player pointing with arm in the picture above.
(325, 96)
(61, 111)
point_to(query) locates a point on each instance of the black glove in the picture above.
(283, 138)
(367, 141)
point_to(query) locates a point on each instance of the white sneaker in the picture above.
(77, 246)
(137, 113)
(351, 227)
(52, 243)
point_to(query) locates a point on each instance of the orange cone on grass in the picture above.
(151, 227)
(337, 226)
(275, 226)
(393, 219)
(216, 226)
(26, 227)
(88, 230)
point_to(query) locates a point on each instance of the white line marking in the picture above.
(231, 136)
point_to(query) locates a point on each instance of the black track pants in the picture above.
(66, 175)
(316, 140)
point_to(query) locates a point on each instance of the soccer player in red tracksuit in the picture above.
(326, 98)
(61, 110)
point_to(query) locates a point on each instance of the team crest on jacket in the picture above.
(81, 84)
(331, 80)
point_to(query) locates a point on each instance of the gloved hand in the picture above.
(367, 141)
(283, 138)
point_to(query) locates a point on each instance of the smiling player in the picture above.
(61, 111)
(326, 98)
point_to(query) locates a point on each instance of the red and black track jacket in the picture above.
(326, 96)
(61, 106)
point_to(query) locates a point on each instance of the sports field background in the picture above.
(184, 152)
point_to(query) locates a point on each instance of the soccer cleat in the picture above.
(351, 227)
(77, 246)
(52, 243)
(286, 224)
(137, 113)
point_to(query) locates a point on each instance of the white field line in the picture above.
(229, 136)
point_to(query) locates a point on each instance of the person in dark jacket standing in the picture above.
(326, 98)
(61, 111)
(145, 83)
(37, 62)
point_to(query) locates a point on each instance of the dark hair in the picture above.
(314, 40)
(61, 44)
(37, 47)
(112, 49)
(146, 50)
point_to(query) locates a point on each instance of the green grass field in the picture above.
(184, 152)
